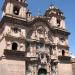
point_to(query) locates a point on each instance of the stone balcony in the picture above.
(55, 27)
(14, 54)
(64, 58)
(59, 30)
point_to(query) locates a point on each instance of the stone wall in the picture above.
(12, 67)
(64, 69)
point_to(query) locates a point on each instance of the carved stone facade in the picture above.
(33, 45)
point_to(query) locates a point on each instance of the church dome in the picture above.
(53, 10)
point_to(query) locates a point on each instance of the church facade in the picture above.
(33, 45)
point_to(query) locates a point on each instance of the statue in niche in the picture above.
(43, 58)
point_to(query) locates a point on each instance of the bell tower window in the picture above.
(58, 22)
(16, 10)
(63, 53)
(14, 46)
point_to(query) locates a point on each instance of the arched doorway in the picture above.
(42, 71)
(14, 46)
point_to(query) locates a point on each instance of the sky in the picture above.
(66, 6)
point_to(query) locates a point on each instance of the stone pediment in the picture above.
(40, 20)
(40, 29)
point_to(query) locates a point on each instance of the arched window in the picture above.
(63, 53)
(42, 71)
(58, 22)
(16, 10)
(14, 46)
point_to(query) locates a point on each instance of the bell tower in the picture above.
(57, 22)
(33, 45)
(12, 37)
(56, 17)
(16, 8)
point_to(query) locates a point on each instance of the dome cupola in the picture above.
(55, 16)
(54, 11)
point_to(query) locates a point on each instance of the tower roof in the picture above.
(16, 2)
(52, 7)
(53, 10)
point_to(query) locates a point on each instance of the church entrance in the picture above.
(42, 71)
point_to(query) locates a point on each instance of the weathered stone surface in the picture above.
(33, 45)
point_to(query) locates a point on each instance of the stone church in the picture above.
(33, 45)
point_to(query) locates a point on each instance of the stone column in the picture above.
(23, 12)
(9, 8)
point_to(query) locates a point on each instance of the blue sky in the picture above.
(68, 8)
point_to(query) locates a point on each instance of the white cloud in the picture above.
(73, 56)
